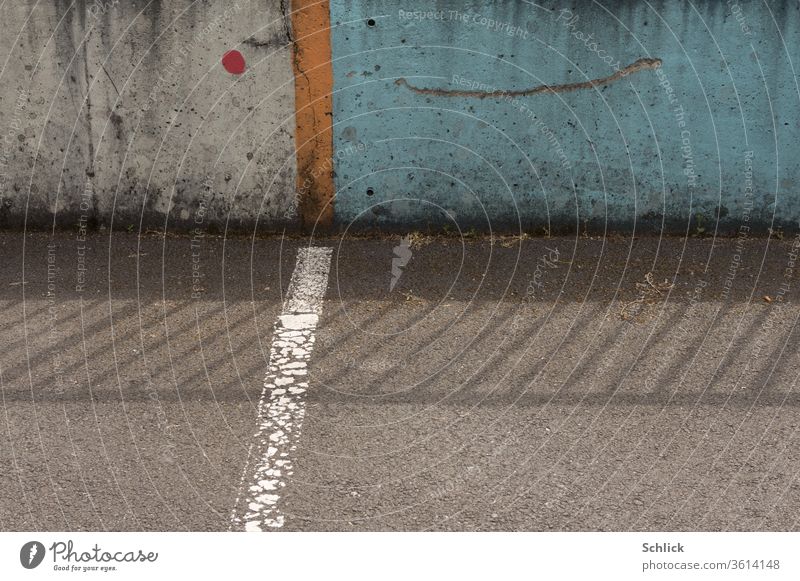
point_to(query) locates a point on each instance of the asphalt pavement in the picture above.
(569, 383)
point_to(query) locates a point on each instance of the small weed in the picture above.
(417, 239)
(776, 233)
(699, 221)
(649, 293)
(509, 241)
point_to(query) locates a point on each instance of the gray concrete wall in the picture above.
(119, 112)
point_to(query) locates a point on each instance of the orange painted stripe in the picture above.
(313, 89)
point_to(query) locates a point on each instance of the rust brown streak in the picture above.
(313, 82)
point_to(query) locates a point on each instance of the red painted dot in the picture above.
(233, 61)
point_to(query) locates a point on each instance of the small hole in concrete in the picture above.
(371, 22)
(370, 191)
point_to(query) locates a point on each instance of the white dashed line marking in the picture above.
(282, 405)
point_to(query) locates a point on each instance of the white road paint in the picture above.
(282, 405)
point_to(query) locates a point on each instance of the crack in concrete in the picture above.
(287, 21)
(640, 65)
(90, 172)
(286, 32)
(113, 84)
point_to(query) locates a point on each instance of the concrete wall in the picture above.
(120, 110)
(713, 133)
(454, 113)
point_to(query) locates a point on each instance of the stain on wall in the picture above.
(639, 65)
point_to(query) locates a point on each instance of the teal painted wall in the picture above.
(709, 140)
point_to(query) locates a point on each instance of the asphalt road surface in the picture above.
(165, 383)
